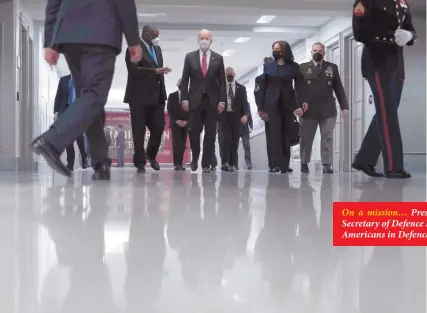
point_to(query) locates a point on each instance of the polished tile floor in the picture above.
(248, 242)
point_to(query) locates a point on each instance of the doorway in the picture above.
(333, 55)
(25, 97)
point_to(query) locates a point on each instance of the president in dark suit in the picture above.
(146, 96)
(65, 97)
(236, 113)
(179, 127)
(203, 93)
(89, 33)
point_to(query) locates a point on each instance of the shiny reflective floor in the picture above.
(248, 242)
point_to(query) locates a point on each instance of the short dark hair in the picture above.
(149, 28)
(268, 60)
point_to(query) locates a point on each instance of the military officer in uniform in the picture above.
(384, 26)
(321, 80)
(258, 79)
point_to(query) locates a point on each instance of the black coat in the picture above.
(144, 86)
(174, 108)
(374, 24)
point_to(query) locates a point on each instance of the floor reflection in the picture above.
(242, 242)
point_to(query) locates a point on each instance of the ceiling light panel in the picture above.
(228, 53)
(266, 29)
(243, 39)
(265, 19)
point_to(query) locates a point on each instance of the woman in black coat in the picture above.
(280, 99)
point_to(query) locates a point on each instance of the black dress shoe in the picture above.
(270, 170)
(367, 169)
(85, 166)
(276, 170)
(140, 170)
(287, 170)
(41, 147)
(213, 168)
(70, 168)
(304, 168)
(225, 167)
(194, 166)
(154, 164)
(402, 174)
(181, 168)
(249, 167)
(233, 168)
(177, 168)
(102, 172)
(327, 169)
(206, 170)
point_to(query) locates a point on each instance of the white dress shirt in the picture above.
(208, 57)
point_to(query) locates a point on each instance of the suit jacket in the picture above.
(62, 94)
(213, 84)
(241, 104)
(93, 22)
(319, 86)
(374, 24)
(144, 86)
(174, 108)
(256, 90)
(277, 89)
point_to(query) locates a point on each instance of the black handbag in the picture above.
(294, 131)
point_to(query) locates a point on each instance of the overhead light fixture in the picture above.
(265, 19)
(267, 29)
(242, 39)
(151, 14)
(228, 53)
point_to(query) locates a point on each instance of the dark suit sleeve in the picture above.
(298, 87)
(407, 25)
(170, 109)
(52, 9)
(222, 82)
(339, 89)
(246, 107)
(250, 120)
(256, 90)
(185, 79)
(136, 71)
(57, 105)
(363, 30)
(126, 10)
(263, 82)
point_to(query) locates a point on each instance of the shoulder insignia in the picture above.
(256, 87)
(359, 9)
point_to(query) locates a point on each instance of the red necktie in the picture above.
(204, 65)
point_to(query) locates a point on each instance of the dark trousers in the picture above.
(92, 68)
(179, 140)
(121, 156)
(269, 145)
(246, 143)
(280, 121)
(203, 116)
(71, 154)
(383, 134)
(221, 144)
(230, 128)
(143, 117)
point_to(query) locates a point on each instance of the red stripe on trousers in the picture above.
(385, 123)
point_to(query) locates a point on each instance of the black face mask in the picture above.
(230, 78)
(317, 57)
(277, 55)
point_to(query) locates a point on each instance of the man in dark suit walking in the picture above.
(236, 113)
(204, 98)
(146, 96)
(179, 127)
(89, 33)
(65, 96)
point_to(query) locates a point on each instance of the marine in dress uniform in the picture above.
(258, 82)
(321, 80)
(384, 26)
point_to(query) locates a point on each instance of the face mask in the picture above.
(317, 57)
(230, 78)
(155, 41)
(204, 44)
(276, 55)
